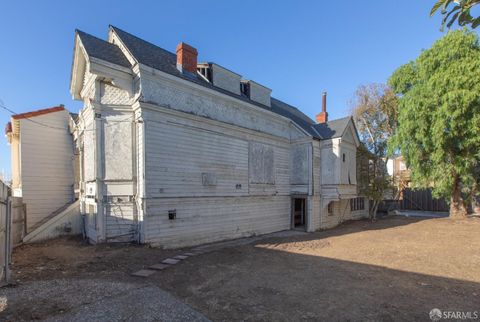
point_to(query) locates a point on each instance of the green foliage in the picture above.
(456, 10)
(439, 114)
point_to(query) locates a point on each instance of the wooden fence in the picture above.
(5, 242)
(416, 200)
(421, 200)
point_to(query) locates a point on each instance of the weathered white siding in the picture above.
(169, 91)
(180, 150)
(46, 165)
(121, 223)
(315, 200)
(67, 222)
(196, 165)
(341, 213)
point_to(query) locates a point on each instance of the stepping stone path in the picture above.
(164, 264)
(143, 273)
(159, 267)
(171, 261)
(181, 257)
(209, 248)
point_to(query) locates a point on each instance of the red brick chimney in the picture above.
(322, 117)
(186, 58)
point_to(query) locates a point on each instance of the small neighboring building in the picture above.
(42, 164)
(397, 168)
(174, 152)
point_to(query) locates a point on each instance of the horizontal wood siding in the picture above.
(341, 213)
(121, 222)
(315, 203)
(203, 220)
(178, 152)
(46, 165)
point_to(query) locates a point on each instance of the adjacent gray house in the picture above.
(174, 152)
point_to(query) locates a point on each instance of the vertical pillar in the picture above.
(99, 178)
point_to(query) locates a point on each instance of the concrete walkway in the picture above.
(174, 260)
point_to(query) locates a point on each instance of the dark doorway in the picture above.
(298, 213)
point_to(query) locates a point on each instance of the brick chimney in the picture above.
(322, 117)
(186, 58)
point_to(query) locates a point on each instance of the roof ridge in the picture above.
(342, 118)
(143, 40)
(78, 31)
(102, 49)
(296, 109)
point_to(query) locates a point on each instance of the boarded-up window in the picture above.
(89, 153)
(261, 164)
(118, 149)
(300, 166)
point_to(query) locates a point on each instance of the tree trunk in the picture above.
(373, 211)
(475, 200)
(457, 207)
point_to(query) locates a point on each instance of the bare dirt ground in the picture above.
(395, 269)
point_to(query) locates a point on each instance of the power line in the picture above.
(33, 121)
(63, 129)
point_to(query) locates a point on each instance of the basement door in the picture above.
(299, 208)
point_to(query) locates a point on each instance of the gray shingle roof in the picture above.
(333, 129)
(102, 49)
(153, 56)
(295, 115)
(161, 59)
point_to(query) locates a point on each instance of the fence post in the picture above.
(8, 240)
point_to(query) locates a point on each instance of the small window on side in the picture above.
(343, 157)
(357, 204)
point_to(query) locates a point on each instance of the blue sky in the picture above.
(297, 48)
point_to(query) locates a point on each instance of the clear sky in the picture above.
(296, 48)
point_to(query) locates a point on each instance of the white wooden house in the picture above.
(174, 152)
(42, 172)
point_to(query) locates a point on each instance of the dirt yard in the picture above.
(395, 269)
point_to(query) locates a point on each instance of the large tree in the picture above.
(439, 117)
(375, 114)
(456, 10)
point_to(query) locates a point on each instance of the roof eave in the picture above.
(79, 64)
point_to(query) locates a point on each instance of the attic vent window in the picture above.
(245, 89)
(206, 72)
